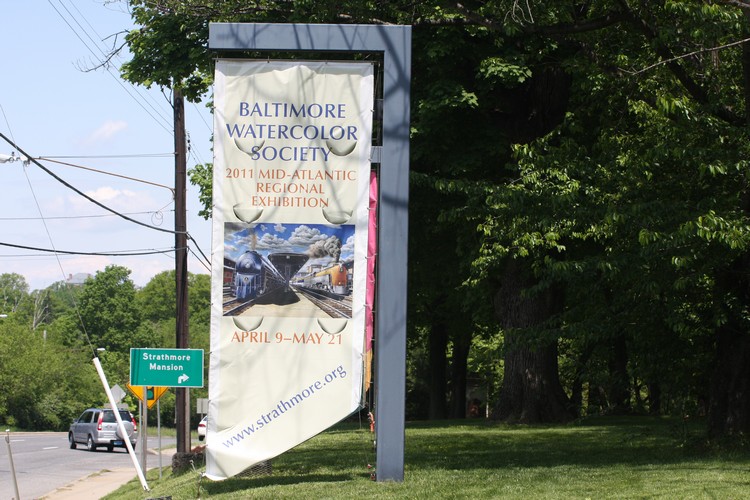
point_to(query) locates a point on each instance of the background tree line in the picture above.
(49, 337)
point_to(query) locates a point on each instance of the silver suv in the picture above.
(98, 427)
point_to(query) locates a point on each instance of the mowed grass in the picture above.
(627, 457)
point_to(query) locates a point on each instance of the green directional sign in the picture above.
(166, 367)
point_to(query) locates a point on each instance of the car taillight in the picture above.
(135, 426)
(99, 423)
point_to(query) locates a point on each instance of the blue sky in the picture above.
(51, 106)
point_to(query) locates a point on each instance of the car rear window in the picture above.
(109, 416)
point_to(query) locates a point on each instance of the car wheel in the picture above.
(90, 444)
(71, 441)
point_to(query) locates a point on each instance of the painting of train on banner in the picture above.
(261, 278)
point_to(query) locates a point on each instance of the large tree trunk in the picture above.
(619, 381)
(461, 345)
(576, 390)
(729, 400)
(438, 343)
(729, 405)
(531, 391)
(654, 398)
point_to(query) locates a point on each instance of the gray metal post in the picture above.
(394, 42)
(12, 466)
(144, 429)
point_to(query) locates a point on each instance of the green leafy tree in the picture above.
(157, 300)
(13, 290)
(581, 169)
(199, 297)
(45, 384)
(634, 202)
(108, 310)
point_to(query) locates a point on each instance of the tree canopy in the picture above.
(579, 187)
(45, 359)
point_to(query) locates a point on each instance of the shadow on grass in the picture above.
(344, 452)
(596, 442)
(255, 483)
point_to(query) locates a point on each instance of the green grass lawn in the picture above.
(606, 457)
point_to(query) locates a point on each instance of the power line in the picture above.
(58, 217)
(81, 193)
(128, 253)
(109, 173)
(107, 57)
(209, 127)
(6, 120)
(199, 249)
(206, 265)
(86, 157)
(144, 95)
(164, 123)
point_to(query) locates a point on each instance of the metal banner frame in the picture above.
(394, 43)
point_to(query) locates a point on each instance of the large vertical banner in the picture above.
(290, 232)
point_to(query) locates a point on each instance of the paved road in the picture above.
(44, 462)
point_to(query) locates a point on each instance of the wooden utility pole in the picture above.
(182, 403)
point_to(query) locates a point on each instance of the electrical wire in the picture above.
(209, 127)
(81, 193)
(128, 253)
(67, 217)
(204, 264)
(190, 237)
(6, 121)
(108, 173)
(160, 120)
(58, 253)
(59, 263)
(137, 155)
(88, 46)
(108, 56)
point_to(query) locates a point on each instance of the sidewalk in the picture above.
(104, 482)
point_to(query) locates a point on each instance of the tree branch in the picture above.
(684, 56)
(471, 18)
(104, 63)
(736, 3)
(691, 86)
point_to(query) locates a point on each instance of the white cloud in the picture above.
(122, 200)
(273, 243)
(347, 249)
(106, 131)
(304, 236)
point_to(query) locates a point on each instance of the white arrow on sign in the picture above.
(182, 378)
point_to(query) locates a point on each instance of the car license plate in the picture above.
(117, 443)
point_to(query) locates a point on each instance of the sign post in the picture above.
(163, 368)
(148, 397)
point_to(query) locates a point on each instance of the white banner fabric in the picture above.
(290, 219)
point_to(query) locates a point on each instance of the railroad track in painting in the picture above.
(335, 306)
